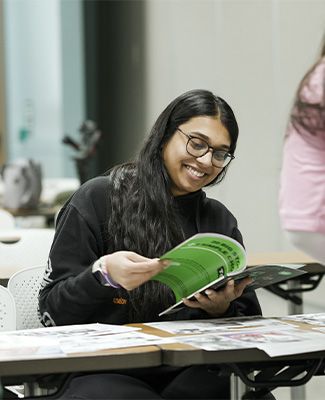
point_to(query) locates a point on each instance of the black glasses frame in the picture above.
(190, 137)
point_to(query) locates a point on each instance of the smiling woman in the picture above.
(112, 231)
(190, 163)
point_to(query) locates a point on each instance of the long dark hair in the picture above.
(306, 117)
(142, 215)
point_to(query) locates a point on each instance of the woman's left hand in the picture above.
(217, 302)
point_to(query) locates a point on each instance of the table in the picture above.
(240, 362)
(293, 289)
(30, 372)
(23, 248)
(48, 212)
(273, 372)
(285, 257)
(136, 357)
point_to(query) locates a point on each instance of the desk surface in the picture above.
(136, 357)
(22, 248)
(180, 354)
(290, 257)
(295, 257)
(42, 210)
(172, 354)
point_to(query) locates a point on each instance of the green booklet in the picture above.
(209, 260)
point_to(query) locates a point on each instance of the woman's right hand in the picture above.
(131, 270)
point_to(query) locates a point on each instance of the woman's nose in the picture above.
(206, 158)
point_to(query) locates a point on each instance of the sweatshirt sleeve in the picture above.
(70, 293)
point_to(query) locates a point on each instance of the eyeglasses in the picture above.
(198, 147)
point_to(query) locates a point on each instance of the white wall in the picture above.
(252, 53)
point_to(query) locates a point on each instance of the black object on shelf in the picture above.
(85, 149)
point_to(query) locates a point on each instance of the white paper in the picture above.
(312, 319)
(212, 325)
(119, 340)
(46, 342)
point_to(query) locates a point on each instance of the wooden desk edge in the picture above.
(136, 357)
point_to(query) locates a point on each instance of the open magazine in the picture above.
(209, 260)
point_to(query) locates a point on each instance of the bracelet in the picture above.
(102, 275)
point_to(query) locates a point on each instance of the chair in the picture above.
(7, 310)
(31, 249)
(8, 323)
(7, 220)
(24, 286)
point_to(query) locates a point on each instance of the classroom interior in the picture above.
(118, 63)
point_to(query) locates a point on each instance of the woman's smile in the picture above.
(195, 173)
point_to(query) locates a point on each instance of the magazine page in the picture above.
(265, 275)
(200, 261)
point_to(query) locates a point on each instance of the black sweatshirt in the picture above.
(71, 294)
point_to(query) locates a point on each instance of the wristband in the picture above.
(100, 273)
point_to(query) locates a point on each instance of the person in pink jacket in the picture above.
(302, 184)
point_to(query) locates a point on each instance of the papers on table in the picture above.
(318, 320)
(276, 336)
(63, 340)
(120, 340)
(28, 347)
(89, 330)
(209, 325)
(274, 342)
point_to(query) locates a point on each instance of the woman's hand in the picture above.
(217, 302)
(131, 270)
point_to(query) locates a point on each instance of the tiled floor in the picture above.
(313, 302)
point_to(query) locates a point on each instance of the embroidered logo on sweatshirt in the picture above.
(119, 300)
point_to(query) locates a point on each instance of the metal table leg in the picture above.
(297, 392)
(237, 387)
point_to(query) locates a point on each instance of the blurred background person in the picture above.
(302, 186)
